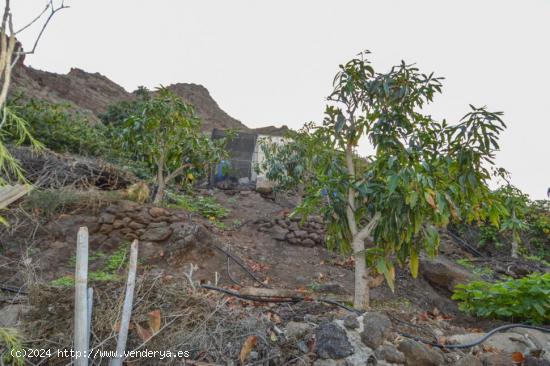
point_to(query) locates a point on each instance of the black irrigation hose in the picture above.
(467, 246)
(479, 340)
(241, 264)
(14, 290)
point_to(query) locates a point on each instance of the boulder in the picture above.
(308, 243)
(279, 233)
(332, 341)
(106, 218)
(376, 329)
(417, 354)
(157, 234)
(297, 330)
(391, 354)
(444, 273)
(158, 211)
(351, 322)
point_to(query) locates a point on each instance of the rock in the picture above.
(376, 329)
(117, 224)
(158, 211)
(389, 353)
(245, 193)
(302, 346)
(514, 340)
(315, 237)
(297, 330)
(417, 354)
(351, 322)
(300, 234)
(106, 218)
(106, 228)
(308, 243)
(142, 217)
(332, 341)
(93, 227)
(279, 233)
(469, 360)
(443, 272)
(127, 205)
(136, 225)
(157, 224)
(157, 234)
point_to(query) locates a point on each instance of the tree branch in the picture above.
(176, 172)
(52, 13)
(34, 20)
(365, 232)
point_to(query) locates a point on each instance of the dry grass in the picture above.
(201, 323)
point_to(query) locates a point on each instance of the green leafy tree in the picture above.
(165, 134)
(517, 204)
(422, 173)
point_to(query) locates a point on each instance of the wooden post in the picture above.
(81, 299)
(127, 307)
(90, 299)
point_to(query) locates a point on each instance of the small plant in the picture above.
(207, 207)
(109, 273)
(314, 286)
(117, 259)
(478, 271)
(11, 345)
(524, 299)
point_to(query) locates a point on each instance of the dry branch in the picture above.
(47, 169)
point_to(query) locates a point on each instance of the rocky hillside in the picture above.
(91, 94)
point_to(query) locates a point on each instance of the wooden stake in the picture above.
(127, 307)
(81, 337)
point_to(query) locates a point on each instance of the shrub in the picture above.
(513, 299)
(61, 129)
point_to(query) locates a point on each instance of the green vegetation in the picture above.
(476, 269)
(108, 273)
(165, 135)
(524, 299)
(10, 344)
(423, 173)
(205, 206)
(524, 225)
(61, 129)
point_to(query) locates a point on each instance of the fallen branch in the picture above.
(284, 293)
(280, 299)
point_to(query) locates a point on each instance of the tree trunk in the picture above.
(361, 289)
(160, 192)
(361, 296)
(514, 253)
(159, 195)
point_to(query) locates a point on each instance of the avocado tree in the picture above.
(423, 173)
(165, 134)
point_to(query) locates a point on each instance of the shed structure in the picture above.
(245, 154)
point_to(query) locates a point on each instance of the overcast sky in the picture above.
(272, 62)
